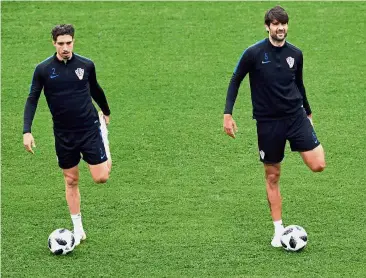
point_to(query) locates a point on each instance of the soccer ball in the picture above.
(294, 238)
(61, 242)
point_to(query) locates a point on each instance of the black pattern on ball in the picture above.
(62, 231)
(283, 244)
(72, 240)
(49, 243)
(61, 241)
(292, 242)
(58, 252)
(304, 238)
(288, 231)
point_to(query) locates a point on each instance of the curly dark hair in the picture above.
(62, 29)
(277, 13)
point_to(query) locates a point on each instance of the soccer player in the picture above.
(69, 83)
(280, 107)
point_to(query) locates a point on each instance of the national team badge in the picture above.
(262, 154)
(80, 73)
(290, 61)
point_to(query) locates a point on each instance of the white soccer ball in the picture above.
(294, 238)
(61, 242)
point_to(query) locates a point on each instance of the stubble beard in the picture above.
(277, 39)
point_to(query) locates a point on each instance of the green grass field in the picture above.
(185, 200)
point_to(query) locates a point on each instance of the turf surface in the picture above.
(184, 200)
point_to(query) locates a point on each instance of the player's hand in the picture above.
(28, 142)
(229, 125)
(107, 119)
(310, 117)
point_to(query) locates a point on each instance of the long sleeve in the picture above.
(32, 100)
(243, 67)
(97, 92)
(300, 85)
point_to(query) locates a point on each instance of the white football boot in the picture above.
(79, 237)
(276, 240)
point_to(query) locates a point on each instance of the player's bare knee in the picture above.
(102, 178)
(319, 166)
(71, 180)
(272, 179)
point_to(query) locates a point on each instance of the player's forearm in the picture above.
(232, 93)
(29, 112)
(99, 97)
(306, 104)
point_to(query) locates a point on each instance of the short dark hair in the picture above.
(276, 13)
(62, 29)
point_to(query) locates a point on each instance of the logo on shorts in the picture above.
(80, 73)
(102, 153)
(290, 61)
(315, 138)
(262, 154)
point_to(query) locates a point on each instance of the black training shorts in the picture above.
(69, 146)
(273, 134)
